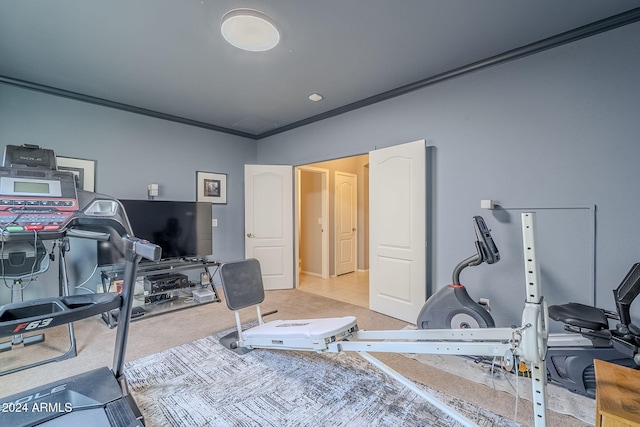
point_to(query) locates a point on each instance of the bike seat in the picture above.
(579, 315)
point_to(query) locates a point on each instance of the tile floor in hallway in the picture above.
(351, 287)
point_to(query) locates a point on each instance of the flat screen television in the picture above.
(181, 229)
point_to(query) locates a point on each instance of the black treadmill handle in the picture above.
(86, 234)
(43, 313)
(147, 250)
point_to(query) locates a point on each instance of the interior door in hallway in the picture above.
(346, 210)
(397, 212)
(269, 222)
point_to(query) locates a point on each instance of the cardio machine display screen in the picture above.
(31, 187)
(10, 186)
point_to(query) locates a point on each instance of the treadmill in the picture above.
(40, 202)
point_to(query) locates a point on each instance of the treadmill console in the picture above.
(36, 199)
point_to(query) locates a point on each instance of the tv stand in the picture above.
(171, 290)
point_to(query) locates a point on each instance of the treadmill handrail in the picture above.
(60, 310)
(46, 313)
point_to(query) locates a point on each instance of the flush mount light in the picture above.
(249, 29)
(315, 97)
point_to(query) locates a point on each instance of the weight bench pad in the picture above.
(304, 334)
(242, 283)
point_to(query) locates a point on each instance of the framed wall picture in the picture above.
(211, 187)
(84, 170)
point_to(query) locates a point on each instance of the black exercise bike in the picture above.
(569, 355)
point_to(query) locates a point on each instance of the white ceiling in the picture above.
(167, 57)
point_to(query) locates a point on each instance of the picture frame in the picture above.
(83, 169)
(211, 187)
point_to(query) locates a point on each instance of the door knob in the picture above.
(251, 235)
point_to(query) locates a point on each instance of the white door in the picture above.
(269, 222)
(397, 199)
(346, 211)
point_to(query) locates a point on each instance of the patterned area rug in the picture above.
(558, 399)
(204, 384)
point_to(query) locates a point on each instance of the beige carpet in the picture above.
(155, 334)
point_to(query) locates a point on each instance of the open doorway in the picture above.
(327, 208)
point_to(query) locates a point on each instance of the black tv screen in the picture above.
(181, 229)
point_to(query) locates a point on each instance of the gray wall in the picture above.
(132, 151)
(558, 130)
(555, 132)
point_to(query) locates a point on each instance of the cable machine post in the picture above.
(535, 314)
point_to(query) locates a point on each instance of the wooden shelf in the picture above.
(617, 395)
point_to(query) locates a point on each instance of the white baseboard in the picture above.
(308, 273)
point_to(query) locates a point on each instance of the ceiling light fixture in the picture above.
(250, 30)
(315, 97)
